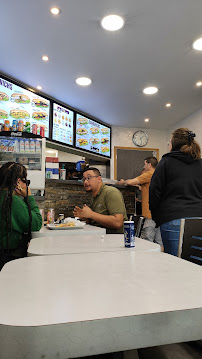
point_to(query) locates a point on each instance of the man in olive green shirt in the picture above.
(107, 207)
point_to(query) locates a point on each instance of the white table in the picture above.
(76, 305)
(85, 244)
(88, 229)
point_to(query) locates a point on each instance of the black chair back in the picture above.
(138, 223)
(190, 243)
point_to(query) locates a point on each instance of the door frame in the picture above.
(130, 148)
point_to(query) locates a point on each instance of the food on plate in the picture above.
(82, 142)
(3, 114)
(104, 149)
(104, 140)
(20, 98)
(69, 224)
(19, 114)
(94, 130)
(105, 130)
(40, 102)
(4, 96)
(94, 141)
(81, 131)
(39, 115)
(82, 120)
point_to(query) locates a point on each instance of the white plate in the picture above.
(53, 226)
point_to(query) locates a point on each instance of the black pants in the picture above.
(12, 254)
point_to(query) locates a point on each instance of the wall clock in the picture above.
(140, 138)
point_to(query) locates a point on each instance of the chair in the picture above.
(138, 223)
(190, 241)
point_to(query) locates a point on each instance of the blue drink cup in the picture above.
(129, 234)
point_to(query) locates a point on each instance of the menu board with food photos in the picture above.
(23, 110)
(63, 124)
(92, 135)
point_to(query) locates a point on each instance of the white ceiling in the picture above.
(153, 48)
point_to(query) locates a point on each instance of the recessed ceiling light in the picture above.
(45, 58)
(112, 22)
(197, 45)
(199, 83)
(39, 87)
(146, 120)
(150, 90)
(55, 11)
(83, 81)
(168, 105)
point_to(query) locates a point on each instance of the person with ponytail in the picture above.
(176, 187)
(19, 214)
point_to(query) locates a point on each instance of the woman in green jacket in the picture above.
(19, 213)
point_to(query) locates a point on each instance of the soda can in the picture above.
(6, 125)
(42, 131)
(20, 125)
(51, 216)
(129, 234)
(41, 210)
(34, 129)
(15, 125)
(27, 126)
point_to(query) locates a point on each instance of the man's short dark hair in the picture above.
(72, 170)
(152, 160)
(94, 169)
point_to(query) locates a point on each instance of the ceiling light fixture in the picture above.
(168, 105)
(112, 22)
(199, 83)
(55, 10)
(39, 87)
(146, 120)
(83, 81)
(150, 90)
(197, 45)
(45, 58)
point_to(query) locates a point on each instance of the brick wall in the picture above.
(63, 196)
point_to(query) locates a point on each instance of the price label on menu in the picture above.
(63, 124)
(23, 110)
(92, 136)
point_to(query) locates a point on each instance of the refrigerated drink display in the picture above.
(26, 151)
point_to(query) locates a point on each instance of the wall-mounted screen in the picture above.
(23, 110)
(63, 124)
(92, 136)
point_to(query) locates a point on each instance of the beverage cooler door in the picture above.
(30, 152)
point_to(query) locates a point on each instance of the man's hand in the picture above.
(83, 213)
(122, 181)
(86, 212)
(77, 211)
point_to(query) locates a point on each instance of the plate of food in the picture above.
(94, 130)
(82, 142)
(81, 131)
(94, 141)
(64, 226)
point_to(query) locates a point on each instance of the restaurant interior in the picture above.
(134, 78)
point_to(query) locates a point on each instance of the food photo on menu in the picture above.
(63, 124)
(92, 136)
(22, 110)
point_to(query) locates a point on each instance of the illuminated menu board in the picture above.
(92, 136)
(23, 110)
(63, 124)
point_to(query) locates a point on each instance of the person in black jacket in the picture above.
(176, 187)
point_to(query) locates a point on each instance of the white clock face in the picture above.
(140, 138)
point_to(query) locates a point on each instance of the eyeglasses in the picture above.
(26, 181)
(88, 178)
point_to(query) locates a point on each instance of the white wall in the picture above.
(122, 137)
(193, 123)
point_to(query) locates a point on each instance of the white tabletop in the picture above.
(71, 306)
(86, 244)
(88, 229)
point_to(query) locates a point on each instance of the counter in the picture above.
(63, 196)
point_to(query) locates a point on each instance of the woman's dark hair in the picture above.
(9, 174)
(183, 140)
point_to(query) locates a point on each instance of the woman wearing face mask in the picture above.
(176, 187)
(19, 214)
